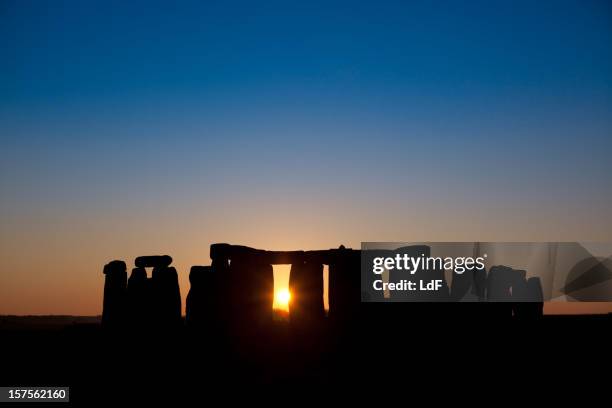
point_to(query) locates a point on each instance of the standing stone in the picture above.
(139, 303)
(195, 303)
(462, 287)
(480, 284)
(500, 281)
(250, 293)
(345, 286)
(115, 289)
(306, 288)
(528, 299)
(203, 309)
(346, 262)
(535, 294)
(397, 276)
(166, 298)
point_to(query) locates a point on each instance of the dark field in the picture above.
(380, 353)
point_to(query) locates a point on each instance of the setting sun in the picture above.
(282, 299)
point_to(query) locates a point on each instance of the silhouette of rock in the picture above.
(344, 286)
(528, 299)
(195, 303)
(429, 275)
(480, 284)
(499, 283)
(165, 298)
(367, 280)
(139, 299)
(115, 290)
(511, 294)
(153, 261)
(462, 287)
(306, 288)
(204, 304)
(250, 292)
(469, 288)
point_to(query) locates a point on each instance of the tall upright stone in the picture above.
(139, 299)
(397, 276)
(344, 286)
(527, 296)
(166, 298)
(500, 281)
(250, 292)
(115, 290)
(306, 288)
(204, 300)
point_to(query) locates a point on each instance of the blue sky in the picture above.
(300, 125)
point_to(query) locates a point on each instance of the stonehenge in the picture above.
(237, 290)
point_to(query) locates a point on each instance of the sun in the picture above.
(282, 298)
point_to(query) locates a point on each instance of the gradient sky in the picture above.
(162, 128)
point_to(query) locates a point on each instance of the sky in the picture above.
(145, 128)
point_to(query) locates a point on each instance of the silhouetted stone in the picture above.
(166, 297)
(203, 305)
(139, 299)
(239, 252)
(195, 303)
(461, 287)
(422, 274)
(480, 284)
(115, 288)
(344, 286)
(528, 299)
(240, 262)
(396, 276)
(469, 288)
(306, 288)
(536, 295)
(367, 280)
(500, 281)
(153, 261)
(250, 293)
